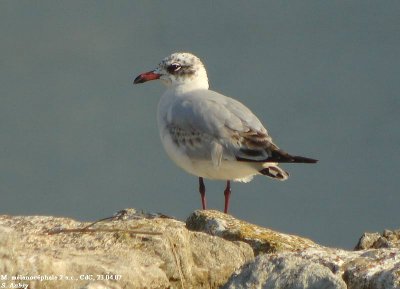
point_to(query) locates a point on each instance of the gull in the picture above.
(210, 135)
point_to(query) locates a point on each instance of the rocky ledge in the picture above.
(211, 250)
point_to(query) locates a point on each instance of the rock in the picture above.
(280, 271)
(367, 241)
(262, 240)
(287, 261)
(128, 251)
(378, 269)
(388, 239)
(212, 250)
(8, 243)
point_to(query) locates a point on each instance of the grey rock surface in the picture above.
(280, 271)
(379, 268)
(376, 268)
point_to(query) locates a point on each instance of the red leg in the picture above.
(202, 190)
(227, 194)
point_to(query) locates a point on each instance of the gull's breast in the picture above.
(196, 158)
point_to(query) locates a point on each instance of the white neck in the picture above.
(194, 82)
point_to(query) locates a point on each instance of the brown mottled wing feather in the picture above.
(253, 146)
(258, 147)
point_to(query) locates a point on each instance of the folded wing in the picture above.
(227, 126)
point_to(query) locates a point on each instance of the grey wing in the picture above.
(230, 129)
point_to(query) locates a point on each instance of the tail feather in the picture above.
(275, 172)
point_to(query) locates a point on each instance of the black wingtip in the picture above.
(298, 159)
(292, 159)
(280, 156)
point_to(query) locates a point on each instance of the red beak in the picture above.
(147, 76)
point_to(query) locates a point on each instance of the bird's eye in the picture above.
(174, 67)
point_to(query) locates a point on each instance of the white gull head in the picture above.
(181, 69)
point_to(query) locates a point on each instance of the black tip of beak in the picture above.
(139, 79)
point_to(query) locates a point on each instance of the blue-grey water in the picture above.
(79, 140)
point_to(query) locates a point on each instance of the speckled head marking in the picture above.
(181, 64)
(178, 69)
(181, 67)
